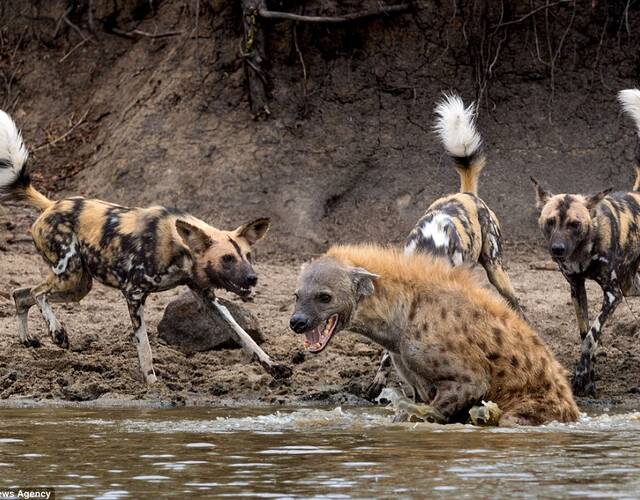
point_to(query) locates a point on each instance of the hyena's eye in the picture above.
(249, 256)
(228, 259)
(549, 223)
(574, 224)
(325, 298)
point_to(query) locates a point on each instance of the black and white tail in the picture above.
(456, 127)
(630, 100)
(15, 182)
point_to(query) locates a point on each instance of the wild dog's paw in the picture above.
(583, 382)
(150, 378)
(31, 342)
(280, 372)
(487, 414)
(60, 338)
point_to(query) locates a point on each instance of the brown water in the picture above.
(340, 453)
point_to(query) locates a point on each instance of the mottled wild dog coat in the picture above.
(459, 227)
(455, 343)
(595, 237)
(137, 250)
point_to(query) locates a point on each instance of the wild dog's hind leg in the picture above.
(491, 259)
(145, 356)
(24, 301)
(71, 286)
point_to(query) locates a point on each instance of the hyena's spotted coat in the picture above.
(459, 227)
(595, 237)
(137, 250)
(455, 343)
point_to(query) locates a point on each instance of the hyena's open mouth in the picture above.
(318, 338)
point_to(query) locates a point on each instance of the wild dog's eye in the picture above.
(249, 256)
(325, 298)
(228, 259)
(574, 224)
(549, 223)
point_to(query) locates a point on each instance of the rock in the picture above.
(185, 325)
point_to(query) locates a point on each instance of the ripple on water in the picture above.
(10, 440)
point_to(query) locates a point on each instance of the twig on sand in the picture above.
(345, 18)
(135, 33)
(63, 136)
(77, 46)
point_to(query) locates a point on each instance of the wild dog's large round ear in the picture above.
(594, 199)
(363, 281)
(194, 237)
(254, 230)
(542, 195)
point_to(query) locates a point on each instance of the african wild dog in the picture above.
(459, 227)
(451, 340)
(595, 237)
(137, 250)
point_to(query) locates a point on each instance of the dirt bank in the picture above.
(102, 364)
(144, 102)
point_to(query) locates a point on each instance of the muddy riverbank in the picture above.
(101, 367)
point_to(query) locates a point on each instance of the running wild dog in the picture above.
(595, 237)
(137, 250)
(459, 227)
(455, 343)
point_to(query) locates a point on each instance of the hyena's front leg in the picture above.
(584, 378)
(145, 356)
(452, 397)
(381, 378)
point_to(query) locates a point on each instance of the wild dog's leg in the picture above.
(583, 380)
(491, 259)
(135, 301)
(499, 278)
(24, 301)
(579, 298)
(381, 378)
(70, 287)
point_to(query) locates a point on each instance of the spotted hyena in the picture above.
(455, 343)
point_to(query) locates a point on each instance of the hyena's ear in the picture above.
(594, 199)
(363, 281)
(254, 230)
(194, 237)
(542, 195)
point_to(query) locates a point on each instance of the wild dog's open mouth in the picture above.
(238, 290)
(318, 338)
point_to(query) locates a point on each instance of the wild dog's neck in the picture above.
(383, 316)
(581, 256)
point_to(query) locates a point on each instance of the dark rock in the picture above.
(186, 326)
(81, 391)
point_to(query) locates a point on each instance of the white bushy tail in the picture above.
(630, 101)
(455, 125)
(15, 182)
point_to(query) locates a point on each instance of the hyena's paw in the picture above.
(375, 388)
(487, 414)
(60, 338)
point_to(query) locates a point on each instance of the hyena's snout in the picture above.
(299, 323)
